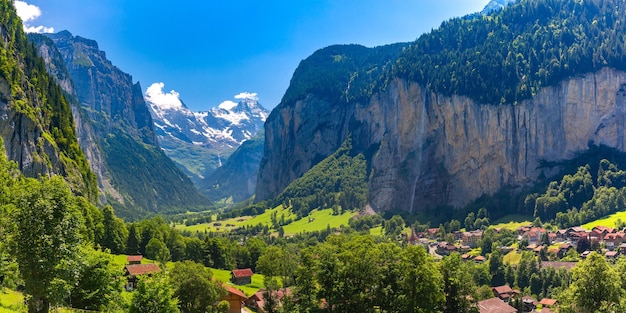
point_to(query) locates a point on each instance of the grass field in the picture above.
(608, 221)
(11, 301)
(512, 221)
(512, 258)
(250, 289)
(320, 219)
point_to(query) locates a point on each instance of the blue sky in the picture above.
(208, 51)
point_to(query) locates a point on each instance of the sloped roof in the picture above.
(503, 289)
(140, 269)
(134, 258)
(547, 302)
(244, 272)
(234, 291)
(495, 305)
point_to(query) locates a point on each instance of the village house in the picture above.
(471, 238)
(504, 292)
(611, 255)
(480, 259)
(622, 248)
(134, 259)
(614, 240)
(534, 234)
(241, 276)
(432, 233)
(235, 297)
(546, 302)
(495, 305)
(134, 270)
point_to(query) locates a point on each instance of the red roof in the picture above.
(547, 302)
(502, 289)
(234, 291)
(495, 305)
(139, 269)
(244, 272)
(134, 258)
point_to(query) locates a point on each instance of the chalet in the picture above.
(504, 292)
(614, 240)
(534, 235)
(529, 303)
(445, 248)
(611, 255)
(471, 238)
(574, 237)
(552, 237)
(235, 298)
(622, 248)
(563, 249)
(134, 270)
(134, 259)
(480, 259)
(432, 233)
(466, 257)
(241, 276)
(546, 302)
(561, 234)
(495, 305)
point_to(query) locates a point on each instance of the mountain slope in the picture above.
(200, 141)
(235, 181)
(117, 120)
(36, 122)
(472, 107)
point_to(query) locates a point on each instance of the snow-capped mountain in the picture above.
(227, 125)
(199, 141)
(496, 5)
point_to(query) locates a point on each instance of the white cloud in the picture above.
(227, 105)
(38, 29)
(156, 96)
(28, 12)
(247, 96)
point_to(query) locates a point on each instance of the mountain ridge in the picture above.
(454, 117)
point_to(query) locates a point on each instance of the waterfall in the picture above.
(421, 129)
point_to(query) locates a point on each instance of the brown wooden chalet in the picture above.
(134, 259)
(241, 276)
(134, 270)
(235, 298)
(504, 292)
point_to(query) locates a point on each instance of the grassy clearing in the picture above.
(377, 231)
(318, 220)
(608, 221)
(250, 289)
(512, 258)
(512, 221)
(11, 301)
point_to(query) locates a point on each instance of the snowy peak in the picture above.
(225, 126)
(496, 5)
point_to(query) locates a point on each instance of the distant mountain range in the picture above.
(200, 142)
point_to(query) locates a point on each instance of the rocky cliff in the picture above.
(467, 109)
(429, 149)
(115, 130)
(35, 119)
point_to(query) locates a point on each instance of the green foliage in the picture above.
(157, 250)
(509, 55)
(594, 287)
(193, 287)
(46, 241)
(458, 285)
(115, 232)
(341, 73)
(154, 295)
(99, 281)
(145, 175)
(337, 181)
(35, 94)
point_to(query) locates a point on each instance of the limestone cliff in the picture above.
(428, 149)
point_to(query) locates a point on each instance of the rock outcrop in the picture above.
(425, 149)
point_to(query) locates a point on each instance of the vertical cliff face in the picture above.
(427, 149)
(35, 119)
(115, 130)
